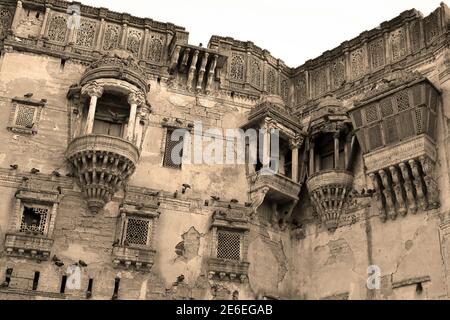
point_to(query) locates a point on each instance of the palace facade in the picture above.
(94, 206)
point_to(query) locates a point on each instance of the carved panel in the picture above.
(376, 53)
(284, 90)
(319, 81)
(111, 38)
(57, 29)
(272, 81)
(5, 22)
(155, 48)
(25, 116)
(338, 72)
(134, 38)
(300, 89)
(357, 63)
(431, 26)
(237, 67)
(398, 44)
(86, 33)
(255, 72)
(415, 36)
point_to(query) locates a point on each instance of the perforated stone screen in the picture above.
(169, 161)
(25, 116)
(229, 245)
(34, 219)
(137, 231)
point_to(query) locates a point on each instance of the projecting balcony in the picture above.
(28, 245)
(103, 164)
(329, 191)
(228, 268)
(133, 257)
(280, 187)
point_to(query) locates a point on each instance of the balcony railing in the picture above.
(30, 246)
(127, 256)
(278, 184)
(228, 268)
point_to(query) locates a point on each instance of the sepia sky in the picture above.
(292, 30)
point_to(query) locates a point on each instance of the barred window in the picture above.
(172, 158)
(34, 219)
(137, 231)
(229, 245)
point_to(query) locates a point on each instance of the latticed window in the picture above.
(137, 231)
(237, 67)
(57, 29)
(386, 107)
(371, 113)
(300, 89)
(271, 82)
(285, 90)
(402, 99)
(406, 125)
(34, 219)
(255, 73)
(419, 120)
(338, 72)
(357, 118)
(229, 245)
(173, 152)
(415, 36)
(111, 38)
(376, 49)
(25, 116)
(375, 140)
(357, 63)
(319, 81)
(398, 44)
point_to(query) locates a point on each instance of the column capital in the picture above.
(296, 142)
(137, 98)
(92, 89)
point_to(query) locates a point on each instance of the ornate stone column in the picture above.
(378, 196)
(94, 91)
(311, 158)
(336, 149)
(428, 167)
(294, 144)
(135, 99)
(174, 59)
(266, 144)
(202, 71)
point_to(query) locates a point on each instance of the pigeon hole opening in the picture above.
(62, 289)
(116, 288)
(90, 284)
(36, 280)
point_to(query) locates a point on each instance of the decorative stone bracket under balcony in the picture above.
(127, 256)
(103, 164)
(228, 269)
(280, 189)
(30, 246)
(329, 192)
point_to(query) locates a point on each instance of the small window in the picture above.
(116, 288)
(36, 280)
(229, 245)
(25, 114)
(137, 231)
(62, 289)
(34, 219)
(171, 158)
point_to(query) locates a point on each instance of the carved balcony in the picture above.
(118, 64)
(223, 268)
(329, 193)
(279, 187)
(396, 126)
(28, 245)
(127, 256)
(102, 165)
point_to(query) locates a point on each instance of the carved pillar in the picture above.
(101, 30)
(347, 145)
(201, 73)
(212, 71)
(311, 158)
(412, 207)
(17, 15)
(185, 58)
(94, 91)
(294, 149)
(192, 69)
(336, 150)
(44, 23)
(378, 196)
(123, 37)
(418, 184)
(428, 167)
(390, 206)
(145, 44)
(135, 99)
(266, 145)
(398, 190)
